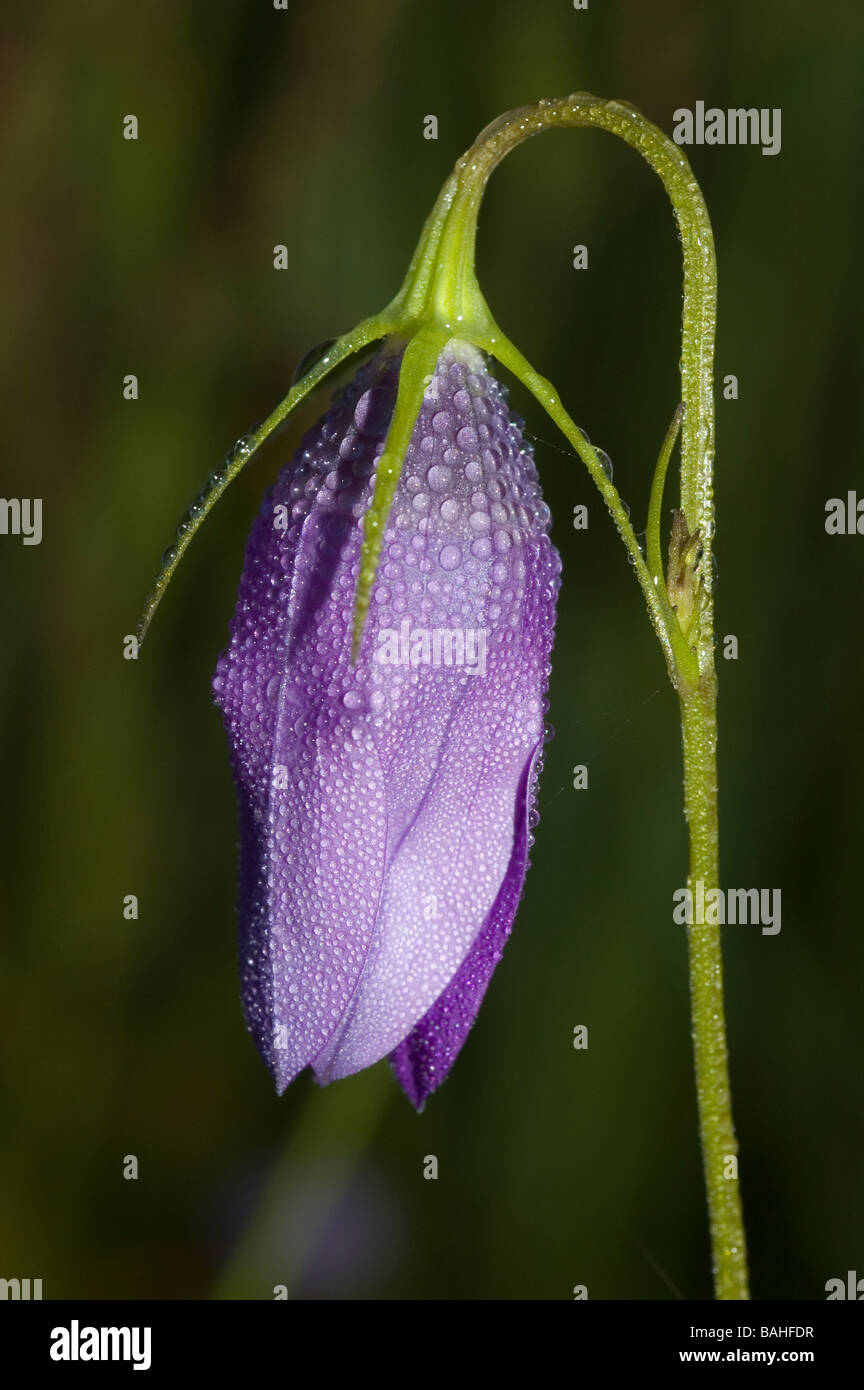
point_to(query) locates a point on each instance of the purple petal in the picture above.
(425, 1057)
(381, 867)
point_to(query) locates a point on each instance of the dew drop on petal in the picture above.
(439, 478)
(372, 412)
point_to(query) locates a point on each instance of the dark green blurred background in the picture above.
(155, 257)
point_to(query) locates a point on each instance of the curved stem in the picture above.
(369, 331)
(680, 660)
(689, 653)
(456, 225)
(440, 299)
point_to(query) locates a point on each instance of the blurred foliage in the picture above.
(557, 1167)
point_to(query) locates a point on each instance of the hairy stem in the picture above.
(719, 1146)
(689, 648)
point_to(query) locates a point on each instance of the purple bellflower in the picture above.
(386, 803)
(383, 689)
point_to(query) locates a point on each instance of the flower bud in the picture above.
(384, 802)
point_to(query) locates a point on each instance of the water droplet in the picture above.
(449, 557)
(439, 478)
(605, 462)
(242, 449)
(272, 691)
(310, 359)
(474, 470)
(352, 446)
(372, 412)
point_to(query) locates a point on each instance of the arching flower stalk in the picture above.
(383, 687)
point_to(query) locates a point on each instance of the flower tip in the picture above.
(281, 1080)
(416, 1093)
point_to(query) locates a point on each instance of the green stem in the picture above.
(440, 299)
(366, 332)
(446, 292)
(719, 1145)
(418, 364)
(655, 502)
(699, 316)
